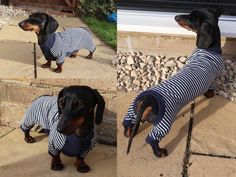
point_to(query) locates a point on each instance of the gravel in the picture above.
(6, 12)
(136, 71)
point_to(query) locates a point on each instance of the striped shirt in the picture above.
(194, 79)
(63, 44)
(44, 112)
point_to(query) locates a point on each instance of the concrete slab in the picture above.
(16, 59)
(11, 113)
(21, 159)
(4, 130)
(214, 127)
(141, 161)
(13, 33)
(211, 167)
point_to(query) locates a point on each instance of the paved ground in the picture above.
(16, 56)
(212, 145)
(32, 160)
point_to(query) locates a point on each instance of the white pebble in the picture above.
(130, 60)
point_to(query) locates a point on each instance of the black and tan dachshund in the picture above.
(160, 104)
(56, 46)
(69, 120)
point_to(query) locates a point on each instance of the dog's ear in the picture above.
(51, 25)
(204, 35)
(60, 95)
(100, 107)
(218, 12)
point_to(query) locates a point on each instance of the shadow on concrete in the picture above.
(200, 116)
(229, 47)
(18, 51)
(39, 165)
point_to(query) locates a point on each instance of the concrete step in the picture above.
(164, 44)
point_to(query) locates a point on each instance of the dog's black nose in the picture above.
(177, 18)
(60, 129)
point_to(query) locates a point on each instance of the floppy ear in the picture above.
(51, 25)
(60, 95)
(100, 107)
(204, 36)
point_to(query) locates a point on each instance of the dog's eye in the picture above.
(61, 103)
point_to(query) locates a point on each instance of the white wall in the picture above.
(163, 22)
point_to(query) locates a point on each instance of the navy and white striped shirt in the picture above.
(194, 79)
(61, 44)
(44, 112)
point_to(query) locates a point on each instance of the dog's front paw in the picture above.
(127, 131)
(161, 152)
(56, 164)
(90, 56)
(157, 151)
(46, 65)
(57, 70)
(81, 166)
(29, 139)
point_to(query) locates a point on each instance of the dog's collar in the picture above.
(47, 45)
(215, 49)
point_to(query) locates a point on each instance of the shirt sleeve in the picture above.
(159, 131)
(56, 142)
(58, 53)
(130, 117)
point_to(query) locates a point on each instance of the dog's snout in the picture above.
(21, 24)
(60, 126)
(177, 18)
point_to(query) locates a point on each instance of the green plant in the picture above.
(96, 8)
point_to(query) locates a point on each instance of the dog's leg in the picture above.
(75, 54)
(90, 56)
(210, 93)
(28, 138)
(81, 165)
(127, 130)
(58, 69)
(47, 64)
(56, 163)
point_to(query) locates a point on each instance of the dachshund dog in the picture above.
(69, 122)
(56, 46)
(160, 104)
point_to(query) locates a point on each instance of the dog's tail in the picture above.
(100, 107)
(136, 125)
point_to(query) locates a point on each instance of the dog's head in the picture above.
(40, 23)
(205, 23)
(146, 109)
(74, 104)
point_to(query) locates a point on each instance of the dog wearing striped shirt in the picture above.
(57, 46)
(69, 122)
(160, 104)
